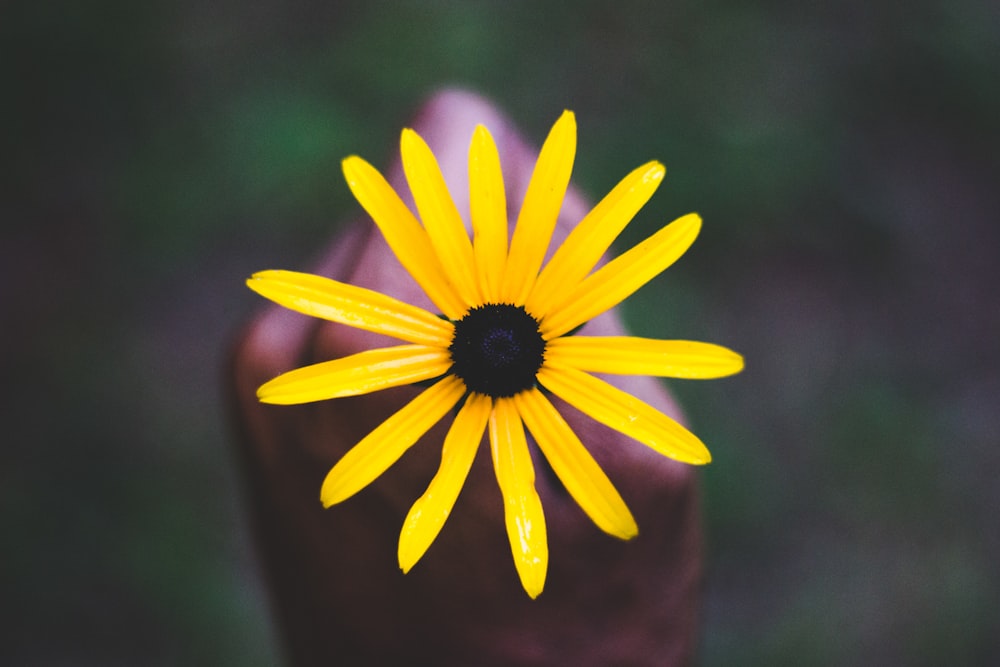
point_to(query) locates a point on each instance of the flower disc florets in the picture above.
(497, 350)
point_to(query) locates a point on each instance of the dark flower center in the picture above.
(497, 350)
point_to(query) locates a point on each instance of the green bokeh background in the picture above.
(844, 156)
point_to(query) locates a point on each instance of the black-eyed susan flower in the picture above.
(502, 342)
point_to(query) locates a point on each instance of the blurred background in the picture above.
(844, 156)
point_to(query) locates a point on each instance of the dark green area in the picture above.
(844, 157)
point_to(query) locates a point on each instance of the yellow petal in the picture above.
(354, 306)
(628, 355)
(440, 216)
(590, 239)
(540, 210)
(575, 467)
(356, 374)
(620, 277)
(625, 413)
(368, 459)
(488, 205)
(428, 514)
(407, 239)
(522, 506)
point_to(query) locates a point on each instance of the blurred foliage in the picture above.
(843, 155)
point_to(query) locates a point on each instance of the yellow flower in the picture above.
(503, 341)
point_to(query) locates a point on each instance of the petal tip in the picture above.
(258, 276)
(409, 137)
(534, 586)
(406, 563)
(655, 170)
(264, 392)
(328, 497)
(738, 363)
(565, 124)
(332, 490)
(350, 163)
(627, 529)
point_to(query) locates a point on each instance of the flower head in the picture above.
(503, 341)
